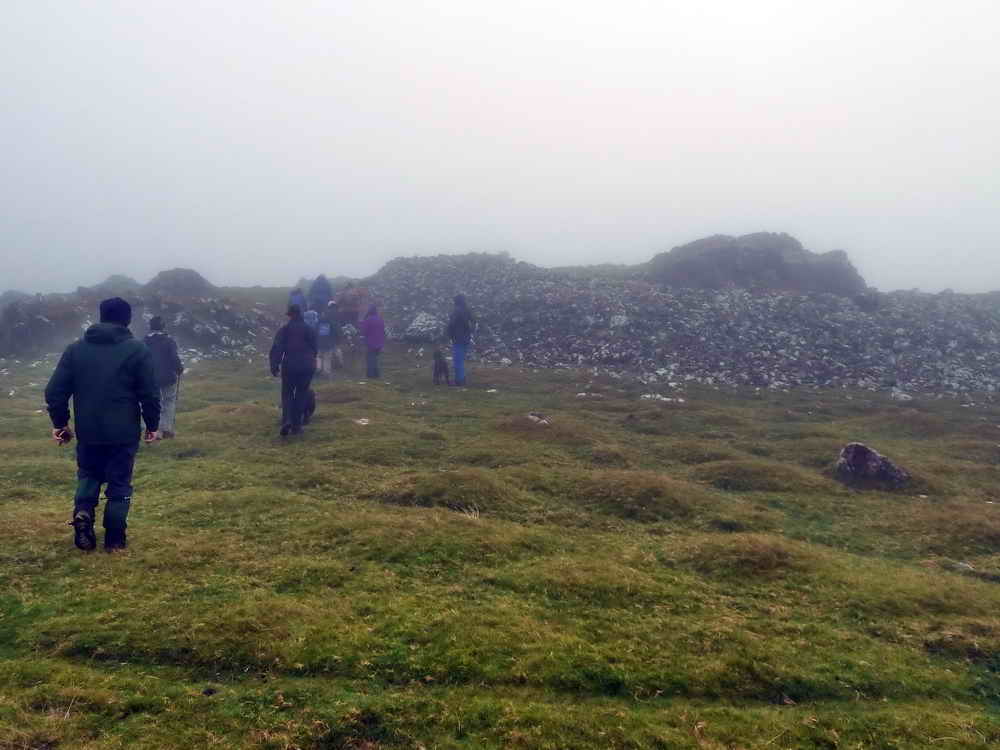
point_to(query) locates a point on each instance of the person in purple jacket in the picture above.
(373, 329)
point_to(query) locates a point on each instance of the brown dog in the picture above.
(441, 371)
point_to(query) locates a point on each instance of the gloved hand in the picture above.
(275, 371)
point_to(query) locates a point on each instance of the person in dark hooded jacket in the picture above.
(111, 378)
(168, 372)
(293, 356)
(460, 329)
(320, 294)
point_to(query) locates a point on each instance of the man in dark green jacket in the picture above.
(111, 378)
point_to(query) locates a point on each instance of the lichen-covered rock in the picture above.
(424, 328)
(860, 466)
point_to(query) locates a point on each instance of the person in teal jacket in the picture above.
(111, 379)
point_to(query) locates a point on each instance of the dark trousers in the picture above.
(104, 464)
(373, 363)
(109, 465)
(294, 396)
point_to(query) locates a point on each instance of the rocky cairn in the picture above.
(758, 311)
(619, 320)
(197, 314)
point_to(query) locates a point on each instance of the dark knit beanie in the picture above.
(116, 310)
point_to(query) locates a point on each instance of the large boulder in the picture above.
(860, 466)
(424, 329)
(180, 282)
(756, 261)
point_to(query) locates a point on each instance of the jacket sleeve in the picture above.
(59, 390)
(178, 365)
(278, 349)
(147, 391)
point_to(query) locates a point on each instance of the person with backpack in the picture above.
(373, 330)
(111, 378)
(169, 369)
(460, 328)
(327, 336)
(293, 356)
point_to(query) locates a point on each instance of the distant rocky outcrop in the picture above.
(113, 286)
(530, 316)
(194, 310)
(180, 282)
(762, 261)
(12, 295)
(610, 320)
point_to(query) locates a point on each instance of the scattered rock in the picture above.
(540, 419)
(860, 466)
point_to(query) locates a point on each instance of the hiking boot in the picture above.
(285, 429)
(83, 530)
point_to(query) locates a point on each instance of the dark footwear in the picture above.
(115, 540)
(285, 429)
(83, 530)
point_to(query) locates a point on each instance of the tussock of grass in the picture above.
(911, 423)
(468, 490)
(983, 452)
(748, 556)
(760, 475)
(612, 456)
(956, 529)
(697, 452)
(561, 429)
(639, 495)
(972, 640)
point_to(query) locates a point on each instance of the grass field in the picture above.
(638, 574)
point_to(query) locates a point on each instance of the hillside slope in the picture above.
(638, 575)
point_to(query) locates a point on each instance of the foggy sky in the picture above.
(259, 141)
